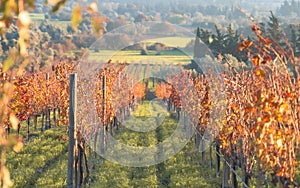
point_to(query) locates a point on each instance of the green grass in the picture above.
(37, 156)
(35, 17)
(61, 24)
(135, 56)
(149, 109)
(55, 175)
(181, 170)
(144, 71)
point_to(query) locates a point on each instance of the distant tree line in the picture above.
(289, 8)
(221, 43)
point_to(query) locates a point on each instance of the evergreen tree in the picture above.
(197, 47)
(285, 8)
(294, 7)
(205, 36)
(199, 52)
(218, 44)
(231, 41)
(293, 39)
(297, 53)
(262, 27)
(274, 28)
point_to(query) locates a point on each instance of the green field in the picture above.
(172, 41)
(129, 56)
(36, 17)
(61, 24)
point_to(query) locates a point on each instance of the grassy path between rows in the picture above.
(43, 161)
(182, 170)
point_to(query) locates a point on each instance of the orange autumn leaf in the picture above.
(267, 41)
(255, 60)
(288, 94)
(281, 172)
(260, 73)
(247, 43)
(239, 128)
(234, 105)
(244, 45)
(266, 119)
(97, 23)
(249, 109)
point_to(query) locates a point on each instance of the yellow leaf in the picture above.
(261, 73)
(97, 23)
(14, 121)
(24, 18)
(22, 67)
(8, 64)
(279, 118)
(92, 8)
(17, 148)
(53, 2)
(260, 151)
(2, 24)
(76, 17)
(24, 33)
(23, 47)
(230, 128)
(6, 177)
(283, 107)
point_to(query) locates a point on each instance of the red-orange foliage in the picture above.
(163, 90)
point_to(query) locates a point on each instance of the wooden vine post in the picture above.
(103, 131)
(43, 121)
(28, 127)
(47, 110)
(54, 116)
(35, 121)
(71, 131)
